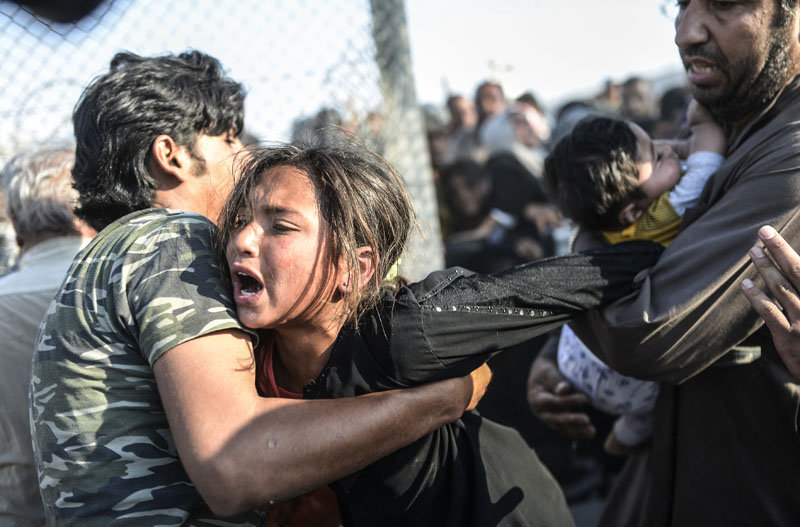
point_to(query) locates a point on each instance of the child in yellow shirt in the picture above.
(609, 176)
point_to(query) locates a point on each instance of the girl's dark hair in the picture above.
(121, 113)
(592, 173)
(361, 199)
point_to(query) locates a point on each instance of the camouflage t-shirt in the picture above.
(103, 448)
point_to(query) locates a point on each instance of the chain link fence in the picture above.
(306, 65)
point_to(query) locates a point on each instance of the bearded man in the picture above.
(725, 449)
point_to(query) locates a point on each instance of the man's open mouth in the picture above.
(701, 68)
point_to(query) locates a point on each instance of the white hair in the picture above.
(38, 193)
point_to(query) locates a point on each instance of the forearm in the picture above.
(455, 326)
(242, 451)
(294, 446)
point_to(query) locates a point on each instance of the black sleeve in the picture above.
(451, 322)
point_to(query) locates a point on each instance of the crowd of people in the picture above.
(200, 332)
(488, 159)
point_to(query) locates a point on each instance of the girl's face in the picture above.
(278, 254)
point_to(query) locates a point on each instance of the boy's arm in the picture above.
(706, 146)
(243, 451)
(707, 134)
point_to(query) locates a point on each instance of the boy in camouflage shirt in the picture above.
(143, 401)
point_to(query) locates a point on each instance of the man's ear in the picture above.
(366, 270)
(628, 215)
(169, 159)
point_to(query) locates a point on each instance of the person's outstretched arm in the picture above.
(781, 311)
(243, 451)
(453, 321)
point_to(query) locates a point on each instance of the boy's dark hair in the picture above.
(592, 173)
(121, 113)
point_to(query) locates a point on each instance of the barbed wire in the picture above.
(279, 52)
(306, 65)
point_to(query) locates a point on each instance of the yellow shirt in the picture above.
(660, 223)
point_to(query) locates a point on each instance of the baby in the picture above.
(610, 177)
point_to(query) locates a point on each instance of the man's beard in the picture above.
(738, 99)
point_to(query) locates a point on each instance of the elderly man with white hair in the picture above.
(38, 200)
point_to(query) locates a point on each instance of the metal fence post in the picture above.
(405, 137)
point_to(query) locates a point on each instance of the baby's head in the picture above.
(607, 171)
